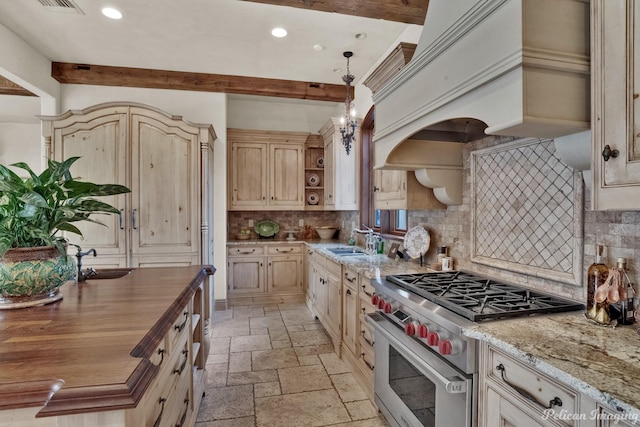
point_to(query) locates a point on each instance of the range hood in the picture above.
(518, 68)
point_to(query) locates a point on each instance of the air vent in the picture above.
(66, 6)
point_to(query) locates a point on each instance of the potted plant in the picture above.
(33, 212)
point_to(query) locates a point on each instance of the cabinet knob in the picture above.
(376, 188)
(607, 153)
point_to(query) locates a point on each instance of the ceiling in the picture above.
(226, 37)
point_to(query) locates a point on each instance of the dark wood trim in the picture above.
(407, 11)
(366, 169)
(7, 87)
(102, 75)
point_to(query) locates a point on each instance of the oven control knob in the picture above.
(433, 338)
(381, 303)
(388, 308)
(375, 299)
(410, 329)
(445, 347)
(423, 331)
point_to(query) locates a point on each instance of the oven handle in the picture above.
(383, 326)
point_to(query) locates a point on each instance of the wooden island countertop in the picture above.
(90, 351)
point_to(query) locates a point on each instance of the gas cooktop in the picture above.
(478, 298)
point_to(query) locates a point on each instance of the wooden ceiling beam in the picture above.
(407, 11)
(7, 87)
(102, 75)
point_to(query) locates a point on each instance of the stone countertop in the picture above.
(603, 363)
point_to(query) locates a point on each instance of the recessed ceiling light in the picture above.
(318, 47)
(360, 36)
(112, 13)
(279, 32)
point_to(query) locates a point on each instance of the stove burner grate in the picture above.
(478, 298)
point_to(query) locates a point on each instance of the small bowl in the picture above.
(243, 236)
(326, 232)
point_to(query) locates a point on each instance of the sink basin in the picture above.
(346, 251)
(110, 273)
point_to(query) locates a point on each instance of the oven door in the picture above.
(414, 386)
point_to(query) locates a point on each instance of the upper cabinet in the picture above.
(399, 189)
(164, 160)
(341, 171)
(266, 170)
(616, 120)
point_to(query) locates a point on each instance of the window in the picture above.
(382, 221)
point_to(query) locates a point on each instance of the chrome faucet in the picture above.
(82, 276)
(370, 239)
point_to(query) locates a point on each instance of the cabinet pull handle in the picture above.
(346, 276)
(120, 218)
(161, 352)
(184, 364)
(607, 153)
(348, 291)
(369, 365)
(364, 289)
(260, 264)
(133, 219)
(282, 250)
(161, 401)
(184, 416)
(247, 253)
(181, 326)
(556, 401)
(371, 343)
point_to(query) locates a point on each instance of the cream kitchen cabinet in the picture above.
(341, 171)
(163, 159)
(350, 318)
(324, 294)
(260, 269)
(616, 105)
(266, 170)
(514, 394)
(399, 189)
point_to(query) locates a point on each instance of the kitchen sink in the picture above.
(346, 251)
(110, 273)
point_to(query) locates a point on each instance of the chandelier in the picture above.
(348, 121)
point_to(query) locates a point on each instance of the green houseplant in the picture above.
(33, 212)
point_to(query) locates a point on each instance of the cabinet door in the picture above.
(286, 176)
(165, 189)
(100, 142)
(247, 175)
(329, 173)
(350, 318)
(390, 189)
(284, 274)
(245, 275)
(616, 112)
(322, 293)
(334, 303)
(499, 411)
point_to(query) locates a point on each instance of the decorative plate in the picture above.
(312, 198)
(320, 162)
(416, 242)
(313, 180)
(266, 228)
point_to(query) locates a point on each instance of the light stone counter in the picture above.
(603, 363)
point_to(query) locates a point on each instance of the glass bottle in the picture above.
(627, 315)
(596, 276)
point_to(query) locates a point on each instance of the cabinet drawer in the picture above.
(284, 250)
(365, 305)
(350, 279)
(366, 290)
(509, 374)
(366, 360)
(367, 336)
(179, 330)
(244, 250)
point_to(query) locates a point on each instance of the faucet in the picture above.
(370, 239)
(82, 276)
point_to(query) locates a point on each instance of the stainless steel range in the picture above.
(426, 369)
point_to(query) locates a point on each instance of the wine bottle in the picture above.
(627, 314)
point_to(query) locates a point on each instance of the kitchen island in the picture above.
(112, 351)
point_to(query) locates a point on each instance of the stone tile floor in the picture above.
(274, 366)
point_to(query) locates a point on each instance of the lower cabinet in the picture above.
(259, 269)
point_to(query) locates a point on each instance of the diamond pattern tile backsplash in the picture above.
(526, 211)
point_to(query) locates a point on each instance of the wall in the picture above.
(618, 231)
(20, 142)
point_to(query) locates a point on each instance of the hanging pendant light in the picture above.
(348, 121)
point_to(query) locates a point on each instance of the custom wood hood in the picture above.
(484, 67)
